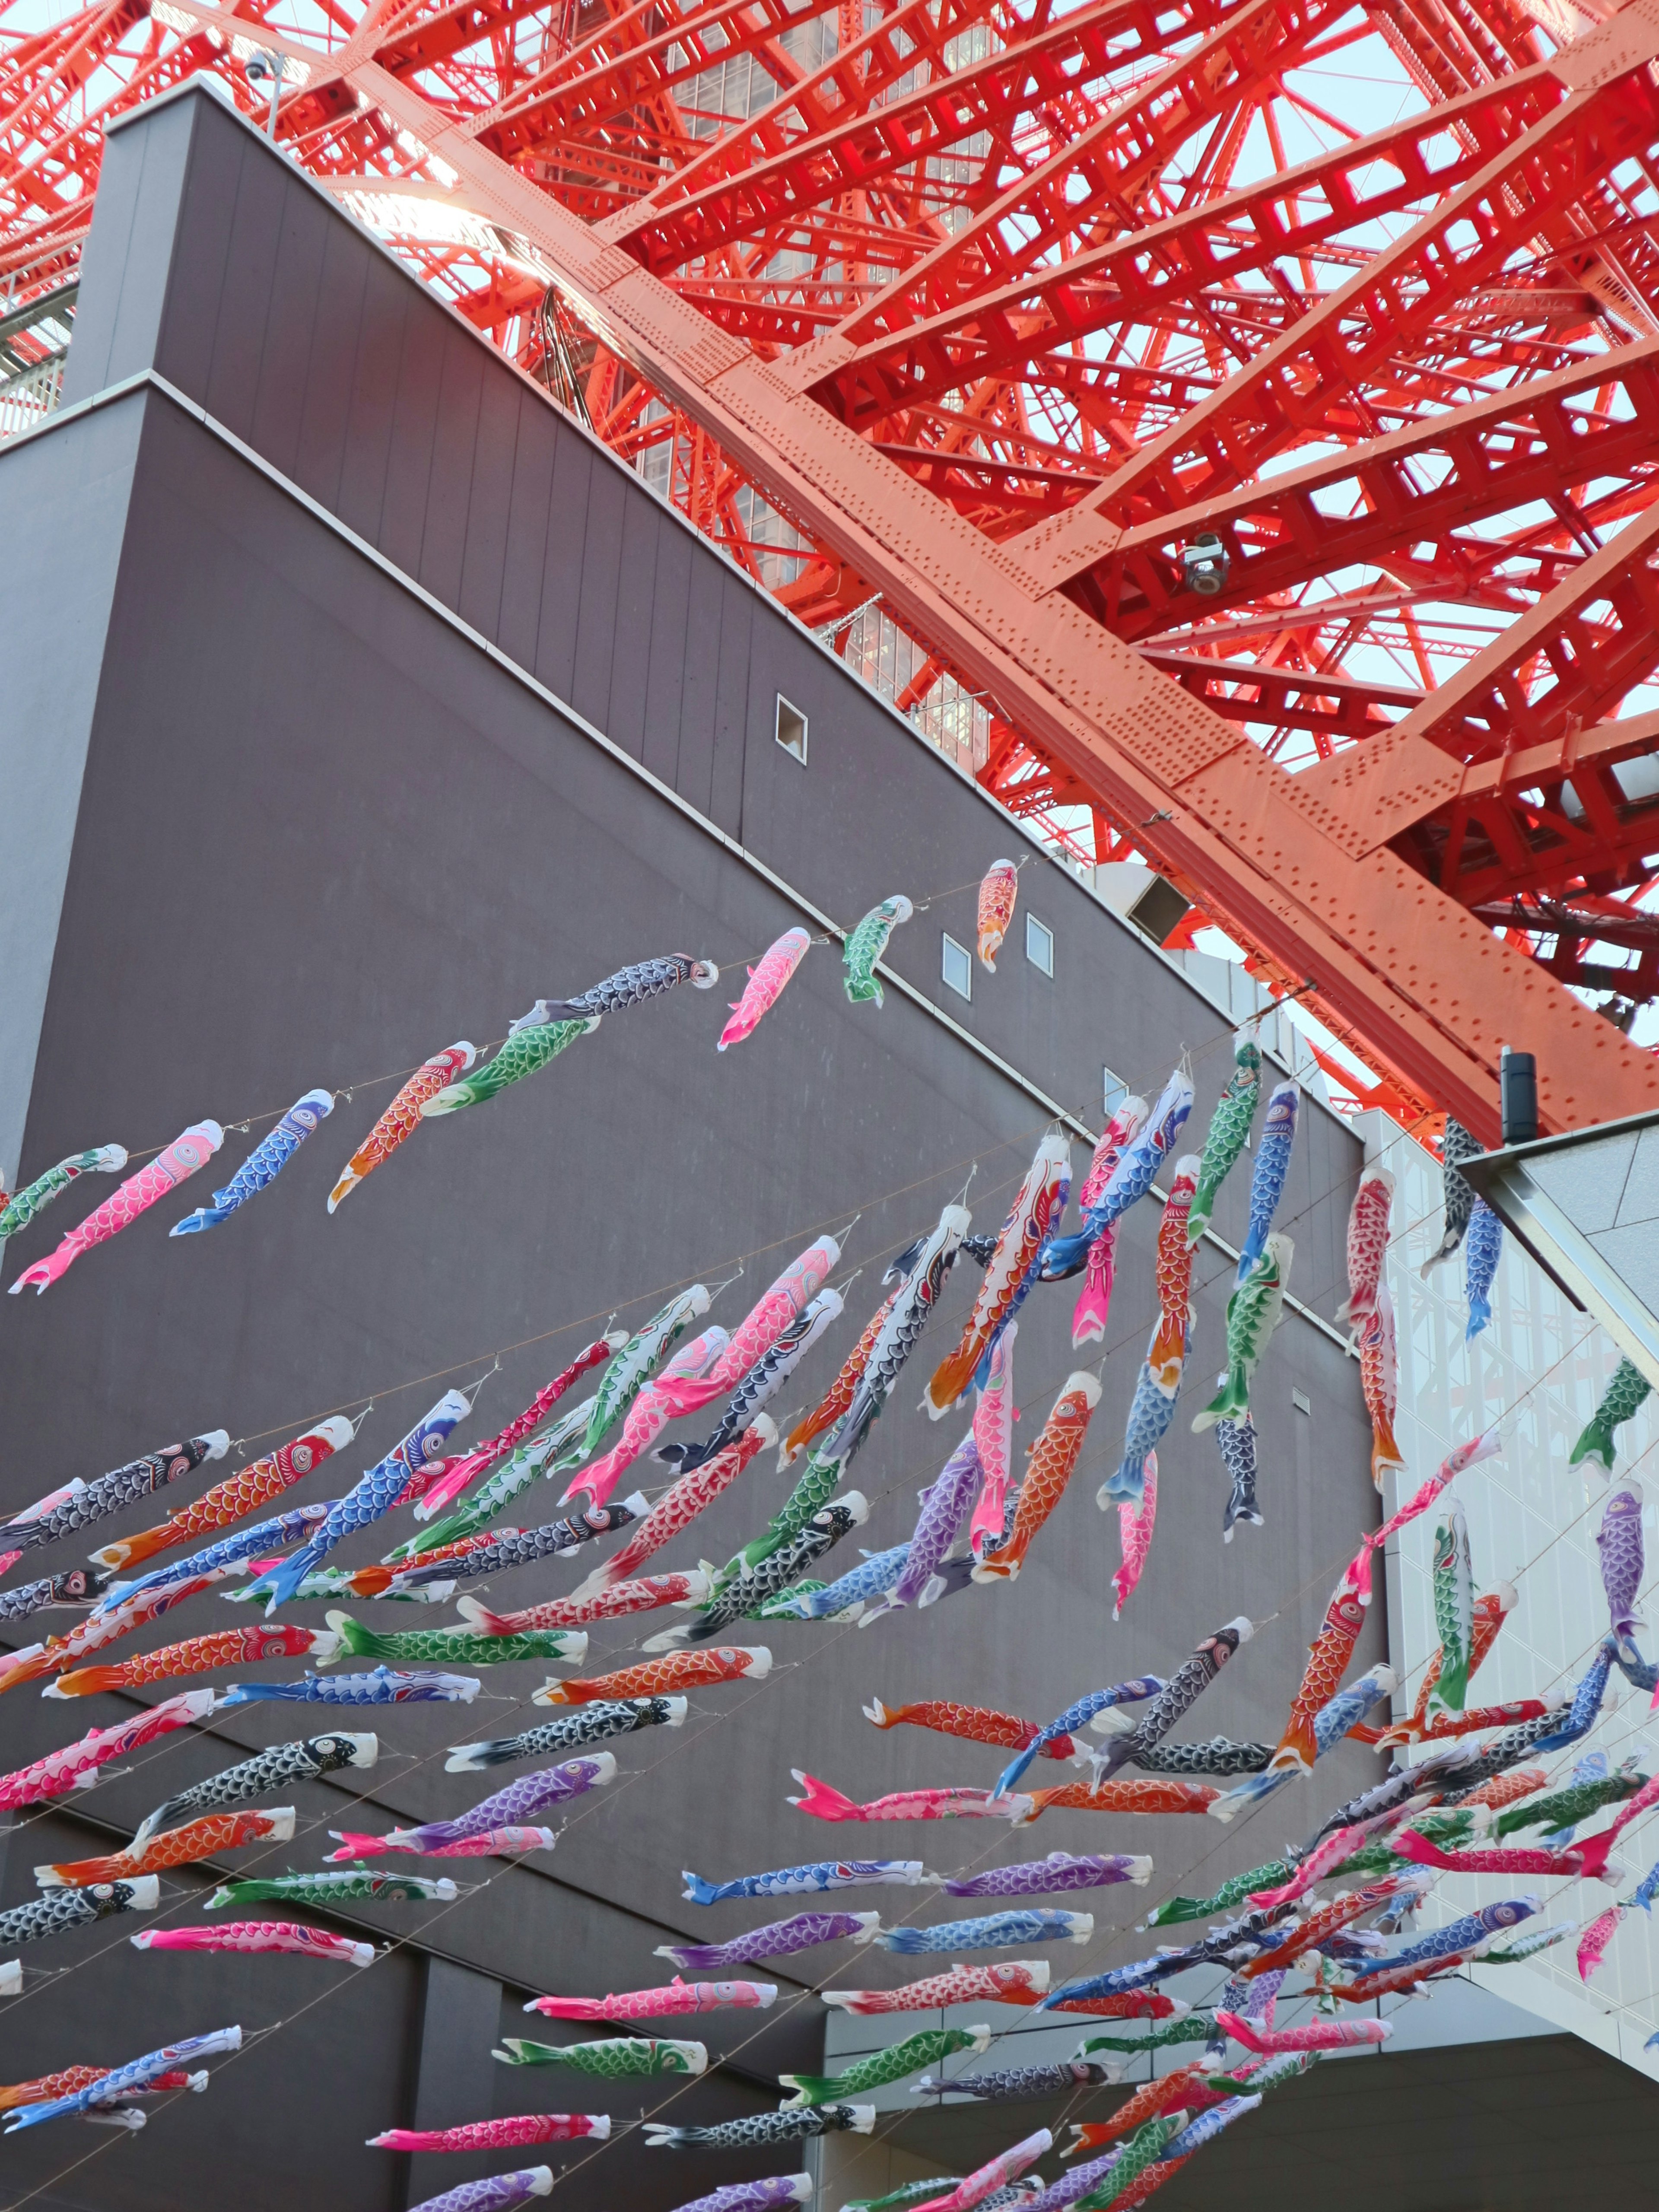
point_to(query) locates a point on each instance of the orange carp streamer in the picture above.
(973, 1723)
(1053, 1462)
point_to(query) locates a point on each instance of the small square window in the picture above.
(957, 968)
(791, 730)
(1039, 944)
(1302, 1401)
(1113, 1092)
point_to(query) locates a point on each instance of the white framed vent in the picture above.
(790, 729)
(957, 967)
(1039, 944)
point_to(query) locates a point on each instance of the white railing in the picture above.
(30, 396)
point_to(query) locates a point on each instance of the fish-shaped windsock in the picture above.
(913, 1303)
(192, 1149)
(60, 1909)
(77, 1586)
(761, 2130)
(1078, 1716)
(509, 2134)
(1059, 1872)
(993, 1443)
(336, 1886)
(1327, 1662)
(304, 1760)
(759, 1386)
(237, 1496)
(1017, 1981)
(79, 1766)
(574, 1731)
(487, 1554)
(462, 1645)
(1453, 1582)
(629, 987)
(175, 1847)
(514, 1843)
(199, 1654)
(1254, 1312)
(1037, 1209)
(765, 985)
(656, 1405)
(1481, 1252)
(619, 2059)
(1176, 1697)
(1135, 1525)
(892, 2064)
(1228, 1134)
(827, 1413)
(509, 1807)
(1129, 1181)
(979, 2186)
(500, 2192)
(136, 2074)
(674, 1671)
(630, 1369)
(777, 1309)
(1094, 1301)
(992, 1931)
(802, 1931)
(1119, 1797)
(1053, 1462)
(670, 2002)
(1593, 1943)
(865, 945)
(84, 1502)
(250, 1935)
(744, 1590)
(824, 1802)
(1273, 1162)
(1379, 1379)
(946, 1506)
(970, 1723)
(1622, 1398)
(526, 1052)
(1488, 1615)
(467, 1467)
(1235, 1441)
(848, 1595)
(263, 1164)
(1368, 1247)
(1456, 1147)
(21, 1209)
(1150, 1412)
(402, 1117)
(1167, 1353)
(999, 889)
(614, 1602)
(1618, 1540)
(381, 1685)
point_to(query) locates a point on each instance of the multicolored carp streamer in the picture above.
(526, 1052)
(1327, 1662)
(674, 1671)
(402, 1117)
(258, 1936)
(263, 1164)
(1094, 1303)
(995, 1931)
(79, 1766)
(665, 2003)
(1013, 2084)
(468, 1466)
(1135, 1525)
(1561, 1811)
(382, 1686)
(1379, 1379)
(517, 1801)
(1273, 1162)
(828, 1412)
(973, 1723)
(565, 1613)
(235, 1497)
(464, 1644)
(995, 2173)
(1618, 1540)
(79, 1586)
(848, 1596)
(1623, 1397)
(1129, 1181)
(625, 2057)
(777, 1309)
(1059, 1871)
(628, 1373)
(825, 1803)
(1453, 1580)
(994, 1443)
(946, 1505)
(1254, 1312)
(1175, 1700)
(510, 2134)
(346, 1886)
(123, 1485)
(774, 2195)
(1456, 1146)
(1121, 1797)
(999, 890)
(304, 1760)
(370, 1497)
(1481, 1253)
(1368, 1247)
(589, 1724)
(742, 1593)
(761, 1384)
(761, 2130)
(1078, 1716)
(500, 2193)
(765, 985)
(1038, 1205)
(812, 1879)
(777, 1940)
(1052, 1463)
(199, 1654)
(1235, 1441)
(865, 947)
(629, 987)
(881, 2067)
(675, 1391)
(1019, 1981)
(1167, 1353)
(1150, 1412)
(106, 1626)
(1228, 1134)
(1316, 2035)
(192, 1149)
(512, 1843)
(198, 1839)
(60, 1909)
(137, 2073)
(437, 1571)
(21, 1207)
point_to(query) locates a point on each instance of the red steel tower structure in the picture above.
(1248, 408)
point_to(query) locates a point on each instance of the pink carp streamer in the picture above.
(994, 1441)
(1368, 1247)
(825, 1803)
(498, 2135)
(259, 1935)
(1094, 1304)
(998, 890)
(675, 1998)
(765, 985)
(453, 1477)
(689, 1495)
(1314, 2035)
(1135, 1525)
(657, 1405)
(193, 1148)
(78, 1766)
(492, 1844)
(1017, 1981)
(615, 1603)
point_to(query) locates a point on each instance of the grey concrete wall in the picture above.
(321, 832)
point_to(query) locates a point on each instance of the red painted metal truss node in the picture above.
(1230, 427)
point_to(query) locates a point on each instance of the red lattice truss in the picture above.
(987, 311)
